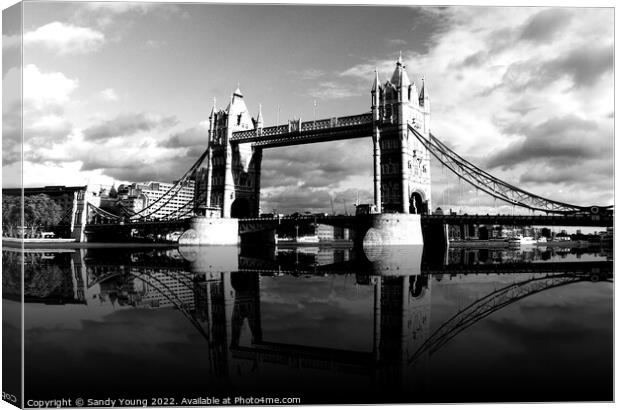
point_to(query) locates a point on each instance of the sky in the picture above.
(121, 92)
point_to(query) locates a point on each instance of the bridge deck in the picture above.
(522, 220)
(248, 225)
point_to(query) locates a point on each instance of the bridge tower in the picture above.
(229, 181)
(401, 162)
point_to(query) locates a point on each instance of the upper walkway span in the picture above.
(297, 132)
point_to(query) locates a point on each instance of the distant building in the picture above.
(171, 202)
(327, 233)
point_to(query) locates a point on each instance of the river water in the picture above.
(186, 326)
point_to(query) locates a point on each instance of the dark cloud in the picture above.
(129, 124)
(521, 107)
(543, 26)
(317, 165)
(11, 38)
(563, 139)
(191, 137)
(135, 170)
(583, 66)
(46, 133)
(599, 174)
(501, 39)
(474, 59)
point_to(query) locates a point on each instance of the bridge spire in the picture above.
(213, 109)
(212, 121)
(259, 117)
(423, 98)
(376, 84)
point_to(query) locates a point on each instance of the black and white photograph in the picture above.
(292, 204)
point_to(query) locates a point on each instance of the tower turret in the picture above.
(400, 80)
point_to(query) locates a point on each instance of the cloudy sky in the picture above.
(118, 92)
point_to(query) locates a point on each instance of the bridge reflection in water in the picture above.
(219, 290)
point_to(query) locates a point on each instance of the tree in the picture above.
(11, 214)
(40, 210)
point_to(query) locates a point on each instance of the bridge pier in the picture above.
(392, 229)
(211, 231)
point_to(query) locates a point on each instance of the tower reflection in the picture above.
(313, 312)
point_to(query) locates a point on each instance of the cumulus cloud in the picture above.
(45, 89)
(104, 14)
(129, 124)
(519, 86)
(11, 135)
(123, 159)
(118, 7)
(44, 120)
(109, 94)
(65, 38)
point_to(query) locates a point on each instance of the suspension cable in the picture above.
(488, 183)
(177, 183)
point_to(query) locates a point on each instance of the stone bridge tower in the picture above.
(402, 163)
(229, 182)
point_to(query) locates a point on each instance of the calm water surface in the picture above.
(322, 324)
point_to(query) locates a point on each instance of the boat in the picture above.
(522, 240)
(308, 239)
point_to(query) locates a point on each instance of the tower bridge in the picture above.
(227, 175)
(231, 176)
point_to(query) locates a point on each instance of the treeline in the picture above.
(40, 211)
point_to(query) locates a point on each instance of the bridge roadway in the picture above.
(250, 225)
(247, 225)
(597, 220)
